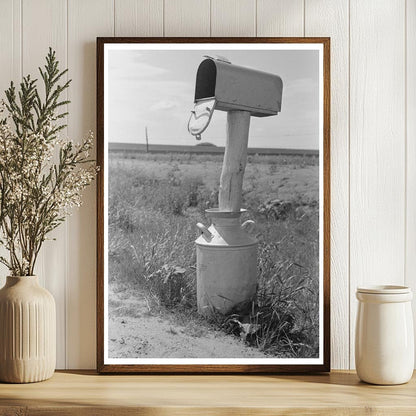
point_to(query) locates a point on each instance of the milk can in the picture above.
(384, 340)
(226, 263)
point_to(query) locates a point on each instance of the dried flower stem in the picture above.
(36, 193)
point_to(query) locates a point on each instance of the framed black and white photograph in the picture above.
(213, 205)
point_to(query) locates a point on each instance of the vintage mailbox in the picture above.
(238, 88)
(223, 86)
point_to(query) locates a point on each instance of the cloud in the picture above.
(126, 67)
(164, 105)
(300, 87)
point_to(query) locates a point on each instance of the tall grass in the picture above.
(152, 251)
(282, 320)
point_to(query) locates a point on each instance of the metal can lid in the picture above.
(384, 289)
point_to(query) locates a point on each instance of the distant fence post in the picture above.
(147, 141)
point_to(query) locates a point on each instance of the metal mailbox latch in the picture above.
(200, 117)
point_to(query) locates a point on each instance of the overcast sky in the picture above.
(156, 89)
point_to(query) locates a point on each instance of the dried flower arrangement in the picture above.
(42, 176)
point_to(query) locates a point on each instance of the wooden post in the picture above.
(147, 141)
(235, 158)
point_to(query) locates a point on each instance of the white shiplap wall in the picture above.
(373, 131)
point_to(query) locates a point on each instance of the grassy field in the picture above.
(155, 202)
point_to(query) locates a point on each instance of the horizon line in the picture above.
(204, 147)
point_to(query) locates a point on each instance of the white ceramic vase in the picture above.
(27, 331)
(384, 340)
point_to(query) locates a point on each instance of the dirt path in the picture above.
(136, 332)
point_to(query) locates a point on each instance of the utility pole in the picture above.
(147, 141)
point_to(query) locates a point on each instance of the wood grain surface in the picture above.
(377, 149)
(281, 18)
(186, 18)
(35, 41)
(235, 160)
(85, 19)
(85, 393)
(410, 262)
(233, 18)
(330, 17)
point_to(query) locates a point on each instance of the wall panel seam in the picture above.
(304, 18)
(21, 39)
(349, 185)
(66, 222)
(210, 17)
(405, 145)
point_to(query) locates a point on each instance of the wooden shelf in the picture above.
(86, 393)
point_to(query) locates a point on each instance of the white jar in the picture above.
(384, 340)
